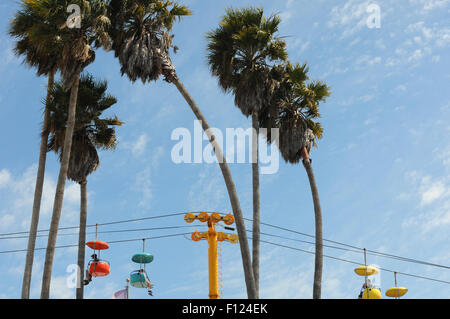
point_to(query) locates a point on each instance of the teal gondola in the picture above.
(142, 258)
(139, 278)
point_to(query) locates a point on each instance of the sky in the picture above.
(382, 167)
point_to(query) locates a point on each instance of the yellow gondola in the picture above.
(371, 293)
(366, 271)
(370, 289)
(396, 292)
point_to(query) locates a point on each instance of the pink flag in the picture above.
(121, 294)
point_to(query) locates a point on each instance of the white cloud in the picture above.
(157, 155)
(443, 37)
(370, 121)
(415, 56)
(5, 178)
(164, 113)
(431, 192)
(431, 219)
(72, 193)
(143, 185)
(436, 58)
(304, 46)
(60, 290)
(19, 195)
(434, 205)
(208, 191)
(438, 218)
(6, 220)
(351, 17)
(356, 100)
(367, 60)
(428, 5)
(443, 155)
(138, 147)
(400, 88)
(286, 15)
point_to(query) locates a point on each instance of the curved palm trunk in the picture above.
(59, 195)
(240, 226)
(256, 201)
(317, 288)
(37, 194)
(82, 238)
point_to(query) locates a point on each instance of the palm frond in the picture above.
(240, 53)
(91, 131)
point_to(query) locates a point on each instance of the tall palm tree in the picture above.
(76, 54)
(90, 132)
(142, 40)
(295, 112)
(40, 52)
(240, 51)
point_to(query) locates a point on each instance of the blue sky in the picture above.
(382, 168)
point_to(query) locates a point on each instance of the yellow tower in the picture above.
(213, 237)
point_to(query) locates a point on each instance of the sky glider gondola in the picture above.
(370, 288)
(96, 266)
(139, 278)
(396, 292)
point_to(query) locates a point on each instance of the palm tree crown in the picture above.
(141, 39)
(239, 53)
(76, 43)
(294, 110)
(36, 40)
(90, 130)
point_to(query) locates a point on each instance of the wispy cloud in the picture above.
(139, 146)
(351, 17)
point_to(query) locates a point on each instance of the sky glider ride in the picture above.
(139, 278)
(96, 266)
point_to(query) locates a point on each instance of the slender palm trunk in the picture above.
(317, 288)
(59, 195)
(26, 283)
(82, 238)
(256, 200)
(240, 226)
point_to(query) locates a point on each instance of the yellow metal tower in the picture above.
(213, 237)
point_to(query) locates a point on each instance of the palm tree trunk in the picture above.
(26, 283)
(256, 200)
(240, 226)
(59, 194)
(82, 238)
(317, 288)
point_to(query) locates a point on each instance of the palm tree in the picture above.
(142, 40)
(294, 111)
(90, 132)
(76, 54)
(239, 53)
(40, 52)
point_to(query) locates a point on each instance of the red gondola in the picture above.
(97, 267)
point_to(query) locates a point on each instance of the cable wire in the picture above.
(357, 263)
(110, 242)
(353, 248)
(262, 241)
(370, 252)
(103, 224)
(110, 231)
